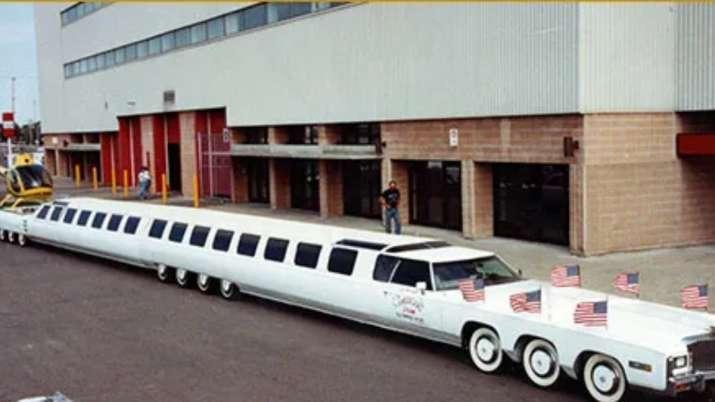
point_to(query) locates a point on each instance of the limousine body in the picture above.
(401, 283)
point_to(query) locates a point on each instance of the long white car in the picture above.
(402, 283)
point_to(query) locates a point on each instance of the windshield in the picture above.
(34, 176)
(491, 269)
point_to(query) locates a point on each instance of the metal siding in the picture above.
(366, 62)
(695, 51)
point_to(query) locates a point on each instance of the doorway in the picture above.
(174, 160)
(436, 194)
(305, 185)
(257, 171)
(360, 196)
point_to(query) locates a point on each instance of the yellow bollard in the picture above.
(76, 176)
(114, 182)
(126, 183)
(163, 188)
(95, 185)
(196, 191)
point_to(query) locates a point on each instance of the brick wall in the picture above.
(187, 133)
(279, 183)
(331, 188)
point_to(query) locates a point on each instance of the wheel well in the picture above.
(581, 362)
(523, 341)
(471, 326)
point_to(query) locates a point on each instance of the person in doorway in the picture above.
(390, 200)
(144, 183)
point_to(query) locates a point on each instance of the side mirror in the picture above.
(421, 286)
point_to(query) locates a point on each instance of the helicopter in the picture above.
(26, 183)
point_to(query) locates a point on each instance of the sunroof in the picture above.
(417, 246)
(362, 244)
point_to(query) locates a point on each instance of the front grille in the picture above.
(703, 353)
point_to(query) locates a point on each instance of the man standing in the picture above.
(390, 200)
(144, 183)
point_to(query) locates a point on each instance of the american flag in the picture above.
(472, 289)
(566, 275)
(526, 302)
(628, 282)
(694, 296)
(591, 314)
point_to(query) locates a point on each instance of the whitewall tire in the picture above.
(485, 350)
(204, 283)
(3, 235)
(541, 363)
(21, 239)
(183, 278)
(164, 273)
(228, 290)
(604, 378)
(11, 236)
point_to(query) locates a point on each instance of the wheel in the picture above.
(183, 277)
(3, 235)
(164, 273)
(604, 378)
(205, 283)
(11, 237)
(228, 290)
(485, 350)
(21, 239)
(541, 363)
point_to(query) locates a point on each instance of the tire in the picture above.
(22, 240)
(228, 290)
(164, 273)
(541, 363)
(604, 378)
(205, 283)
(11, 236)
(3, 235)
(485, 350)
(184, 278)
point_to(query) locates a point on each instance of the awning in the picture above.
(700, 144)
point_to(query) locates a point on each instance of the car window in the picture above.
(199, 235)
(83, 217)
(132, 224)
(248, 243)
(222, 240)
(157, 228)
(56, 211)
(276, 249)
(114, 221)
(409, 272)
(342, 261)
(178, 229)
(307, 255)
(384, 266)
(42, 214)
(69, 215)
(98, 220)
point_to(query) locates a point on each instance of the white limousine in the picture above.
(402, 283)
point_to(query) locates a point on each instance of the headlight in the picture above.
(680, 362)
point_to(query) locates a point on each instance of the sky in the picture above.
(18, 58)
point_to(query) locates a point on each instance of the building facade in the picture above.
(585, 125)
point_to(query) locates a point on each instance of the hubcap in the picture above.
(485, 350)
(541, 362)
(181, 274)
(203, 280)
(605, 378)
(226, 286)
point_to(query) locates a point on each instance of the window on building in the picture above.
(142, 49)
(82, 66)
(132, 224)
(119, 56)
(130, 52)
(247, 244)
(183, 37)
(154, 46)
(157, 228)
(360, 134)
(199, 235)
(177, 232)
(114, 221)
(168, 41)
(99, 60)
(283, 11)
(233, 23)
(98, 220)
(83, 217)
(384, 267)
(302, 135)
(222, 240)
(409, 272)
(68, 70)
(342, 261)
(307, 255)
(69, 215)
(42, 213)
(198, 33)
(275, 249)
(253, 17)
(108, 59)
(91, 64)
(256, 135)
(216, 28)
(56, 211)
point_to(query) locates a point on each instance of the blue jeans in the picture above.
(392, 214)
(144, 189)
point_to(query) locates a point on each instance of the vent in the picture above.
(169, 97)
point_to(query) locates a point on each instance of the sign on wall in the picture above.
(8, 125)
(453, 137)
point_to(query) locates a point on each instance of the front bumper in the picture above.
(696, 381)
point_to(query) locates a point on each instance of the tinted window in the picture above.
(177, 232)
(83, 217)
(56, 211)
(342, 261)
(157, 228)
(254, 16)
(247, 244)
(114, 222)
(199, 235)
(132, 224)
(276, 249)
(69, 215)
(198, 33)
(410, 272)
(43, 212)
(222, 240)
(307, 255)
(98, 220)
(216, 28)
(384, 267)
